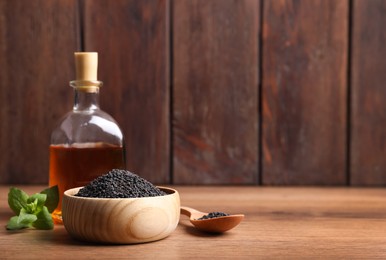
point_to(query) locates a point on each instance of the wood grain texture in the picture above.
(304, 92)
(280, 223)
(368, 120)
(131, 39)
(36, 64)
(135, 220)
(215, 91)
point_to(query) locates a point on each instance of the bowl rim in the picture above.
(70, 193)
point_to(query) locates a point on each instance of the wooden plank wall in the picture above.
(260, 92)
(215, 91)
(36, 42)
(368, 116)
(305, 91)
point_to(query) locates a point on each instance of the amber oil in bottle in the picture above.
(87, 141)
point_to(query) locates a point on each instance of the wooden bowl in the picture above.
(121, 221)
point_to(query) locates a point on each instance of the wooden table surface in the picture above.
(348, 223)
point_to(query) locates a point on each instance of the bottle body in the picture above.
(86, 144)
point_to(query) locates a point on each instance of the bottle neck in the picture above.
(85, 101)
(86, 95)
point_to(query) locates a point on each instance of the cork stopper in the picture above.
(86, 64)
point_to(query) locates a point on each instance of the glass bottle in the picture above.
(87, 141)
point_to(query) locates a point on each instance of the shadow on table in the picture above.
(57, 236)
(191, 230)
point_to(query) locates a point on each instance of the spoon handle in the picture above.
(188, 211)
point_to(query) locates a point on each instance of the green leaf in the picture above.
(52, 198)
(38, 200)
(13, 224)
(33, 211)
(17, 199)
(44, 220)
(25, 218)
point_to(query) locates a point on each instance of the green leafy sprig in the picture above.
(32, 211)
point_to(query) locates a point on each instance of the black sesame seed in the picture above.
(214, 215)
(119, 184)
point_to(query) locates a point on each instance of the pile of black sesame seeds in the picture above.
(119, 184)
(214, 215)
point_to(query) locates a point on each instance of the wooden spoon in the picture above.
(215, 225)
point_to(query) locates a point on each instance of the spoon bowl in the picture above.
(213, 225)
